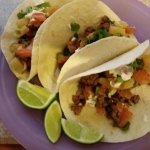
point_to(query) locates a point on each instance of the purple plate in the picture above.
(26, 125)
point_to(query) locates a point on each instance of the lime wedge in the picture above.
(33, 96)
(52, 122)
(80, 133)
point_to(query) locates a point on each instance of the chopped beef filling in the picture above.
(25, 53)
(104, 28)
(115, 107)
(89, 30)
(90, 35)
(105, 23)
(90, 80)
(28, 23)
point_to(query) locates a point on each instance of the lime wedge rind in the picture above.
(80, 133)
(34, 96)
(52, 122)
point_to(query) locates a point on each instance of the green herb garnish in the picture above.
(75, 27)
(22, 13)
(119, 79)
(102, 33)
(137, 64)
(97, 35)
(29, 9)
(126, 127)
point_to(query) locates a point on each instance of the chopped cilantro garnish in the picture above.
(102, 33)
(119, 79)
(88, 40)
(126, 127)
(75, 27)
(29, 9)
(97, 35)
(137, 64)
(22, 13)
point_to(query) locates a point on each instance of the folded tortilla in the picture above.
(140, 122)
(95, 54)
(57, 33)
(9, 37)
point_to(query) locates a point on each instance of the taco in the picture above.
(112, 98)
(19, 42)
(95, 54)
(73, 27)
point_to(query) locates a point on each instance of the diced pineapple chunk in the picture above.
(22, 22)
(112, 92)
(146, 59)
(17, 65)
(121, 24)
(14, 47)
(114, 30)
(127, 84)
(20, 32)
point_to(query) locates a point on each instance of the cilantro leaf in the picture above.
(137, 64)
(119, 79)
(29, 9)
(97, 35)
(22, 13)
(102, 33)
(75, 27)
(126, 127)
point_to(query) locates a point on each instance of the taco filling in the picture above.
(110, 92)
(104, 29)
(29, 20)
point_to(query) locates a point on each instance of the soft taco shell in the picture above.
(57, 33)
(8, 37)
(140, 123)
(95, 54)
